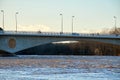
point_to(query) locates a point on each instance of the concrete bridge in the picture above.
(13, 42)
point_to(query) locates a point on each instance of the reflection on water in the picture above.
(66, 68)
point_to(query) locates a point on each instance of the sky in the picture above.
(44, 15)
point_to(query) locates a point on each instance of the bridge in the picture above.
(13, 42)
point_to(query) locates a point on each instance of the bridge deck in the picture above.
(52, 34)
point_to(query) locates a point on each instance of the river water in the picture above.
(60, 68)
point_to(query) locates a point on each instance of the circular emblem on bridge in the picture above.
(12, 43)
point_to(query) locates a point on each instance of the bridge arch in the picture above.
(6, 54)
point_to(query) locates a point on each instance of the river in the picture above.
(46, 67)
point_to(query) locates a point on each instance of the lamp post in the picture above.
(16, 20)
(61, 23)
(115, 19)
(3, 18)
(72, 23)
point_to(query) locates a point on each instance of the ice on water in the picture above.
(58, 74)
(48, 73)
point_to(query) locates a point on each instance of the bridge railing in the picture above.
(60, 34)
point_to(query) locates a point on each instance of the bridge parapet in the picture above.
(60, 34)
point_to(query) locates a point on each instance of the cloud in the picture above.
(37, 27)
(44, 28)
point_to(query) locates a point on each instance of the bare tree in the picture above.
(115, 31)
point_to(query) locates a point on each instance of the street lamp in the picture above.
(115, 19)
(61, 23)
(3, 18)
(72, 23)
(16, 20)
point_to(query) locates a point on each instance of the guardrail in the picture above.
(61, 34)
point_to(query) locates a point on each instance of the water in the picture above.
(60, 68)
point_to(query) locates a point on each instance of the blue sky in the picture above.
(35, 15)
